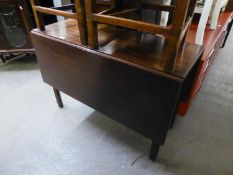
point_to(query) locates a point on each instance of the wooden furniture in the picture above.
(79, 15)
(160, 17)
(126, 15)
(209, 10)
(124, 79)
(15, 27)
(205, 13)
(218, 6)
(47, 18)
(213, 40)
(135, 78)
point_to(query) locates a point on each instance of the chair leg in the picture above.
(92, 34)
(91, 25)
(228, 32)
(37, 15)
(58, 97)
(171, 54)
(2, 58)
(154, 150)
(80, 6)
(216, 12)
(203, 21)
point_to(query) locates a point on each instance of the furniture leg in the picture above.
(203, 21)
(80, 6)
(91, 25)
(38, 16)
(171, 54)
(154, 150)
(93, 35)
(172, 122)
(228, 32)
(2, 58)
(58, 97)
(217, 9)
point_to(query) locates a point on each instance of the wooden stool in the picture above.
(120, 15)
(79, 15)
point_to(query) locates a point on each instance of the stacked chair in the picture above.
(124, 64)
(128, 15)
(78, 13)
(181, 14)
(210, 11)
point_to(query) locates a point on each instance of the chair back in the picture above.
(181, 16)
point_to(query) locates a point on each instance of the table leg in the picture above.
(154, 150)
(2, 58)
(58, 97)
(172, 122)
(228, 32)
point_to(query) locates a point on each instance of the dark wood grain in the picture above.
(123, 44)
(123, 79)
(58, 97)
(79, 15)
(182, 12)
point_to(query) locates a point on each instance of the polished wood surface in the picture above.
(131, 18)
(79, 15)
(124, 79)
(125, 46)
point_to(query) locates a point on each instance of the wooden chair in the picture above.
(78, 13)
(118, 15)
(218, 6)
(209, 12)
(205, 12)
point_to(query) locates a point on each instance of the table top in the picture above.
(124, 46)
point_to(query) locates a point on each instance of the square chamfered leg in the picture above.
(154, 150)
(58, 97)
(227, 33)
